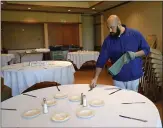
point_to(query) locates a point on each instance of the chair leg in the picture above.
(42, 85)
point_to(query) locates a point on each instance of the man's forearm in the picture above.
(139, 53)
(97, 73)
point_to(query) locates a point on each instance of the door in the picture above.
(63, 34)
(55, 34)
(71, 34)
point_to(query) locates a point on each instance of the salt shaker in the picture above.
(45, 107)
(84, 101)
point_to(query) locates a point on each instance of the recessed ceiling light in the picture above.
(69, 10)
(29, 8)
(93, 8)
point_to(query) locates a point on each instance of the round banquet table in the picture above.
(105, 116)
(21, 76)
(5, 58)
(80, 57)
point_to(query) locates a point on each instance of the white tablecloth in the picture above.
(26, 57)
(21, 76)
(105, 116)
(32, 57)
(80, 57)
(5, 58)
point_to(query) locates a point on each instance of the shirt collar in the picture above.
(125, 28)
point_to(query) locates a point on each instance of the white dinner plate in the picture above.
(85, 113)
(51, 102)
(31, 113)
(96, 103)
(60, 117)
(75, 98)
(60, 95)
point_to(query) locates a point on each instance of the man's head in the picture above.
(114, 25)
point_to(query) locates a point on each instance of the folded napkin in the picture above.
(124, 59)
(42, 50)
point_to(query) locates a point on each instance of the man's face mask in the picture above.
(115, 33)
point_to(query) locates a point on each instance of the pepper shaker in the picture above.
(81, 99)
(45, 107)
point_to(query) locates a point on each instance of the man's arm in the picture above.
(144, 48)
(102, 59)
(139, 53)
(97, 73)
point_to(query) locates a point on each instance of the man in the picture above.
(120, 41)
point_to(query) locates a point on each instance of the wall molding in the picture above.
(40, 22)
(41, 11)
(101, 12)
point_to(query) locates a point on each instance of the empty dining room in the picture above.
(81, 64)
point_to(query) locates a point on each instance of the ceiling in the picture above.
(81, 7)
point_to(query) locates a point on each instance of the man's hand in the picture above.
(140, 53)
(132, 55)
(97, 73)
(93, 83)
(128, 56)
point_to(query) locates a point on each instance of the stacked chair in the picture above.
(151, 81)
(152, 41)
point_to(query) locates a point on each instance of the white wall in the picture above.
(88, 32)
